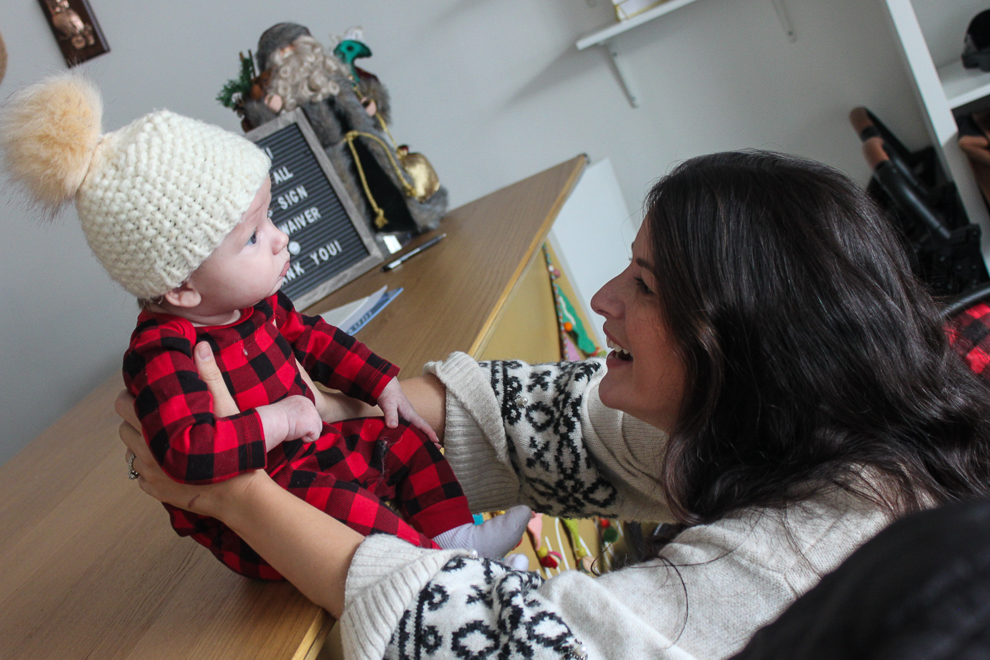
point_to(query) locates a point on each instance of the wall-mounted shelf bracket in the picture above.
(606, 37)
(785, 20)
(622, 72)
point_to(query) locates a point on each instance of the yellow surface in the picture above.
(527, 330)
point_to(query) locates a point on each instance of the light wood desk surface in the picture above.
(91, 567)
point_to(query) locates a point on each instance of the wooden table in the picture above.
(91, 568)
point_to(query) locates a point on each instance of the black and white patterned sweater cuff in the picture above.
(386, 576)
(475, 439)
(540, 435)
(404, 602)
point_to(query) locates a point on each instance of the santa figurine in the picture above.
(348, 109)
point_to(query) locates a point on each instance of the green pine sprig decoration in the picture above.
(233, 92)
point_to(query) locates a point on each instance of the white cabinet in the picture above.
(942, 89)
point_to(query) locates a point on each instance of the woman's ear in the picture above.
(184, 296)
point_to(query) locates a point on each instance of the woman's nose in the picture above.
(605, 302)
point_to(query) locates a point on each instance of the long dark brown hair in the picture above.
(811, 351)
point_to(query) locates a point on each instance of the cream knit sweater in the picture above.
(540, 435)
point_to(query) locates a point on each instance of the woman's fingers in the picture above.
(124, 406)
(976, 147)
(151, 478)
(209, 372)
(144, 463)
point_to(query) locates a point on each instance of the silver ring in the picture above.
(131, 472)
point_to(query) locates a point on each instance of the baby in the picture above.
(177, 212)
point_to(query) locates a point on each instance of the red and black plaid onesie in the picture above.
(353, 466)
(969, 336)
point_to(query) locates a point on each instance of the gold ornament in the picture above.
(425, 181)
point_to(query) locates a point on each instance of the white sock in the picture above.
(517, 562)
(492, 538)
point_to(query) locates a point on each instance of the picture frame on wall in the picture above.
(330, 243)
(76, 29)
(626, 9)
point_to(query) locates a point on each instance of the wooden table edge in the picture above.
(580, 162)
(315, 637)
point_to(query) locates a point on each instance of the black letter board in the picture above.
(329, 243)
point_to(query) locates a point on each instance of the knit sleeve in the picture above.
(189, 441)
(404, 602)
(331, 356)
(540, 435)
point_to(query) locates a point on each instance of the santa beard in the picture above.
(304, 74)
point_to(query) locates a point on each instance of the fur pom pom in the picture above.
(48, 134)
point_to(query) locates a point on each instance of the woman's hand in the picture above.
(205, 500)
(976, 147)
(308, 547)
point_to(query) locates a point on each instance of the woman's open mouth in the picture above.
(619, 352)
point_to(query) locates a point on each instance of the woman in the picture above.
(779, 386)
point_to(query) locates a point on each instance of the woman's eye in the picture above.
(641, 285)
(253, 239)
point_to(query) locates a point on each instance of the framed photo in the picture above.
(626, 9)
(75, 28)
(329, 241)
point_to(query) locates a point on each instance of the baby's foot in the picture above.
(492, 538)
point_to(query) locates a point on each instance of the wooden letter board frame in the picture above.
(316, 222)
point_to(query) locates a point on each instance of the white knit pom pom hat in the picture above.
(155, 198)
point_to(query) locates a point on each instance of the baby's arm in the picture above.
(338, 360)
(332, 357)
(191, 441)
(337, 406)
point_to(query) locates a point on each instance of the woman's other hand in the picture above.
(205, 500)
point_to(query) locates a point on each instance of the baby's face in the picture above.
(249, 265)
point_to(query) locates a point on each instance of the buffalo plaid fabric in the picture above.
(347, 472)
(969, 336)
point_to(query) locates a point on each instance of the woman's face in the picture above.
(645, 375)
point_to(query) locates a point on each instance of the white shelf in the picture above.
(963, 85)
(601, 36)
(939, 92)
(606, 38)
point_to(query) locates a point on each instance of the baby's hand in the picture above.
(393, 403)
(292, 417)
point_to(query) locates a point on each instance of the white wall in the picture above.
(944, 25)
(490, 90)
(594, 209)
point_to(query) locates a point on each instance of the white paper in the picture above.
(346, 315)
